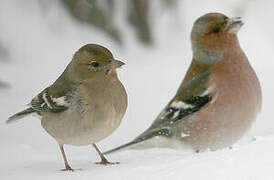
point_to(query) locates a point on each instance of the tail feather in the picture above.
(20, 115)
(143, 137)
(121, 147)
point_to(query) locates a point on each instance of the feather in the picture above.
(20, 115)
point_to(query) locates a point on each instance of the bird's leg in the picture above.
(68, 168)
(104, 161)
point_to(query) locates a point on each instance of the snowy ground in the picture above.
(248, 162)
(40, 45)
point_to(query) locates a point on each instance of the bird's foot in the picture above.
(68, 168)
(106, 162)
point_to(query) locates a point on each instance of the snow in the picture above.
(41, 39)
(251, 161)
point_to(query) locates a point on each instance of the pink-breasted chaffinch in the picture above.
(219, 97)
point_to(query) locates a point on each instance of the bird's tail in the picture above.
(143, 137)
(20, 115)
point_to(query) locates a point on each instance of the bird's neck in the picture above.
(230, 44)
(205, 56)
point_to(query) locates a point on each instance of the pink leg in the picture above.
(104, 161)
(68, 168)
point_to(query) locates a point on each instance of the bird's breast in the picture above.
(234, 106)
(95, 112)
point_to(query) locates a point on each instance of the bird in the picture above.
(218, 99)
(85, 104)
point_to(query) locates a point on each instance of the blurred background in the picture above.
(38, 39)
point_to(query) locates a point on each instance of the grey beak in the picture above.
(234, 25)
(113, 65)
(116, 63)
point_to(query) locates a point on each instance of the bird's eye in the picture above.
(216, 30)
(94, 64)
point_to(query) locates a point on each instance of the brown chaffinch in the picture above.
(219, 97)
(85, 104)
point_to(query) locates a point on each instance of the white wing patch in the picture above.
(46, 100)
(174, 109)
(184, 135)
(61, 101)
(180, 105)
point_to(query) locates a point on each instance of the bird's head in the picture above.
(212, 34)
(93, 60)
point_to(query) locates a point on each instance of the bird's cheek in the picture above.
(212, 42)
(208, 43)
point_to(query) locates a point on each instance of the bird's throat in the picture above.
(206, 56)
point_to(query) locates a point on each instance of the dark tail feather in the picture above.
(121, 147)
(143, 137)
(20, 115)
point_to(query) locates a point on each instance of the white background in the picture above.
(41, 41)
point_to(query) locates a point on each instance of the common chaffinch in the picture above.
(85, 104)
(219, 97)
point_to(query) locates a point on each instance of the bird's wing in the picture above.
(190, 98)
(44, 101)
(49, 102)
(55, 98)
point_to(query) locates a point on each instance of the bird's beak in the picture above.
(114, 64)
(234, 25)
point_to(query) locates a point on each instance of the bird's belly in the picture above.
(218, 128)
(71, 128)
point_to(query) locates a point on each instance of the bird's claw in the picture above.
(105, 163)
(68, 169)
